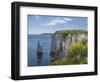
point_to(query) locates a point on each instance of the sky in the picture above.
(38, 24)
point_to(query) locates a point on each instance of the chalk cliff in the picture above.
(62, 39)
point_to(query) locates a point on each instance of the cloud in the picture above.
(68, 19)
(37, 17)
(50, 24)
(58, 21)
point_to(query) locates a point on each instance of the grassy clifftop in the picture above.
(70, 31)
(64, 33)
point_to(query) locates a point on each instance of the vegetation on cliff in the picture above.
(64, 33)
(77, 51)
(70, 31)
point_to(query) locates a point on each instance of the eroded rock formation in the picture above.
(61, 41)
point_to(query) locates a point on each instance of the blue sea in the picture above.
(45, 42)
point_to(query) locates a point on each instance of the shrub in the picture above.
(77, 54)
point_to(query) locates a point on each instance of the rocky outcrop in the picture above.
(57, 46)
(39, 53)
(39, 49)
(61, 41)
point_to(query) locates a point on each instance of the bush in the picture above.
(77, 54)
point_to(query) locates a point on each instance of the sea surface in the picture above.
(45, 42)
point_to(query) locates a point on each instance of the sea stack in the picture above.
(39, 49)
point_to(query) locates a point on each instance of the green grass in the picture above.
(70, 31)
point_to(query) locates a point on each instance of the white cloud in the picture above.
(50, 24)
(68, 19)
(58, 21)
(37, 17)
(55, 22)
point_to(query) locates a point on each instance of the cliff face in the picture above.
(61, 41)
